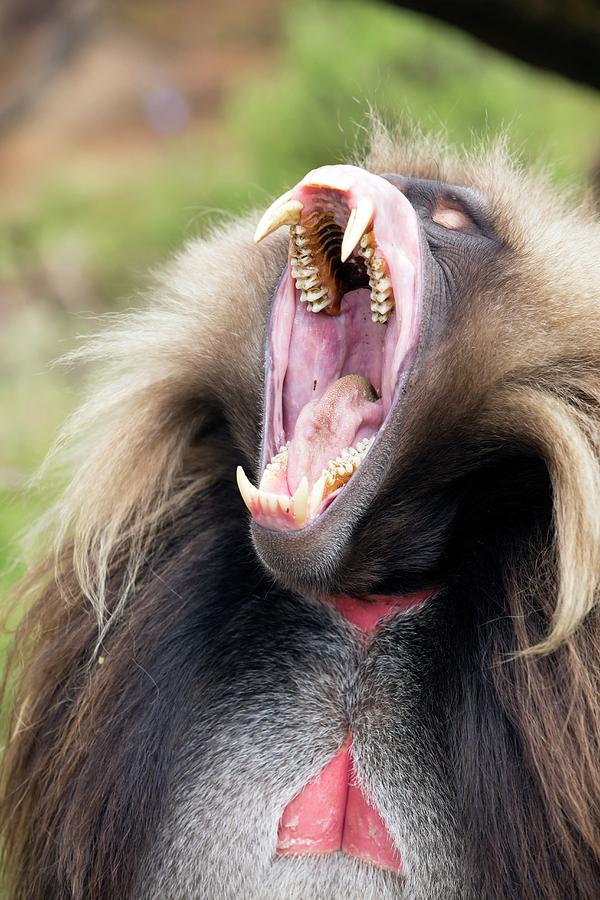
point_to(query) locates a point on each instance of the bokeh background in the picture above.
(127, 128)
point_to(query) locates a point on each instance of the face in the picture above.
(360, 353)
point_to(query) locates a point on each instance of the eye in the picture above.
(452, 218)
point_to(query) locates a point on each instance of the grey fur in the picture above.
(245, 756)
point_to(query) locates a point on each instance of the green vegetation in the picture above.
(94, 230)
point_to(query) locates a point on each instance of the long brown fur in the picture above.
(89, 744)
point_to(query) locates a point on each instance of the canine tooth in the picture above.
(246, 488)
(358, 222)
(300, 501)
(316, 495)
(284, 211)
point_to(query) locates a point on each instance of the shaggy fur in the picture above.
(476, 721)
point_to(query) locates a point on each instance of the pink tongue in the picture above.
(346, 413)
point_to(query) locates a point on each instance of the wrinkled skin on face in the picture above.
(416, 637)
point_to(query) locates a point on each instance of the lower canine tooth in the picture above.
(300, 501)
(316, 495)
(247, 490)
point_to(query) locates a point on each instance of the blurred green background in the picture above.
(158, 119)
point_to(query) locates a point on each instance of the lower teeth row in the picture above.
(343, 467)
(338, 471)
(279, 461)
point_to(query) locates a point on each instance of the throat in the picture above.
(332, 813)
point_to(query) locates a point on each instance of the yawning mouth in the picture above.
(344, 327)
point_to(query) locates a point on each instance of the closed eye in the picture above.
(452, 218)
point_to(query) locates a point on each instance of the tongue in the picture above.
(347, 412)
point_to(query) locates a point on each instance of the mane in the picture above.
(175, 405)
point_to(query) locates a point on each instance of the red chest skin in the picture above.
(331, 814)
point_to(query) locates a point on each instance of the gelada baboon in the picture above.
(384, 681)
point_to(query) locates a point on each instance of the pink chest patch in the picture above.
(331, 814)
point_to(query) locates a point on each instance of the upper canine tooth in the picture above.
(284, 211)
(358, 222)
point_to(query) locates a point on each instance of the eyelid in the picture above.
(452, 218)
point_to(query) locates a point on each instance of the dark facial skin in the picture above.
(397, 511)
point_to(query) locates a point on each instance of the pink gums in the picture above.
(332, 814)
(309, 352)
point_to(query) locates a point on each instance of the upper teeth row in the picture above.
(287, 211)
(382, 296)
(305, 272)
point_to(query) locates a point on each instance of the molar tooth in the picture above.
(379, 296)
(284, 211)
(316, 294)
(359, 220)
(301, 242)
(305, 284)
(316, 307)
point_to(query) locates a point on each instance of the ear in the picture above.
(177, 407)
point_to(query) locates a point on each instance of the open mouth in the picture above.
(344, 328)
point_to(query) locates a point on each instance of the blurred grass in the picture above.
(94, 229)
